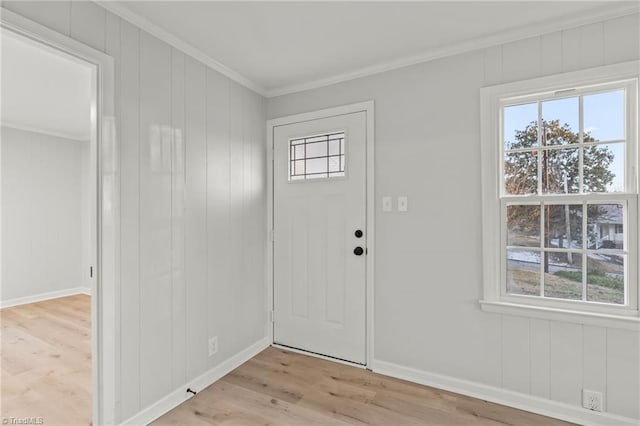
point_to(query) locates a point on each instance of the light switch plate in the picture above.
(387, 204)
(213, 345)
(403, 203)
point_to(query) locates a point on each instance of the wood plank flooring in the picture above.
(279, 387)
(46, 372)
(46, 361)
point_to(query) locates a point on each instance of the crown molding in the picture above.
(172, 40)
(607, 12)
(534, 30)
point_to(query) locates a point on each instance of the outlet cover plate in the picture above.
(592, 400)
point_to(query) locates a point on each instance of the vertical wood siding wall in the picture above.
(193, 185)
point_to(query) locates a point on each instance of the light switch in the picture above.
(403, 203)
(387, 204)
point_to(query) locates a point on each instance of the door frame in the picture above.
(368, 108)
(105, 221)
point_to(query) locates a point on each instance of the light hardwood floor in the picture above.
(46, 372)
(279, 387)
(46, 361)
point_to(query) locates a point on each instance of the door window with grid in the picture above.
(314, 157)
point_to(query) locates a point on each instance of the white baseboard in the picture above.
(180, 395)
(501, 396)
(44, 296)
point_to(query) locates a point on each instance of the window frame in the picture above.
(345, 146)
(494, 200)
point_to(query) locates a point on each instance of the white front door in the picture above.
(320, 236)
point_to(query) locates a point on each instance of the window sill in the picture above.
(631, 322)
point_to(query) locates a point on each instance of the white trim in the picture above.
(1, 210)
(270, 236)
(552, 83)
(534, 404)
(322, 113)
(34, 129)
(610, 11)
(565, 315)
(180, 395)
(493, 251)
(368, 108)
(44, 296)
(166, 36)
(371, 232)
(105, 336)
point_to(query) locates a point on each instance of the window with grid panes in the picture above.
(567, 195)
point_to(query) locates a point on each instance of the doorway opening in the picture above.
(48, 232)
(321, 217)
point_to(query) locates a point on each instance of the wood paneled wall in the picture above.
(564, 358)
(193, 196)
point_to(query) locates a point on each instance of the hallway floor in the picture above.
(46, 361)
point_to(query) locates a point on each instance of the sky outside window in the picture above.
(604, 120)
(604, 115)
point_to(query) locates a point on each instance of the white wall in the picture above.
(87, 212)
(428, 261)
(42, 194)
(193, 231)
(192, 185)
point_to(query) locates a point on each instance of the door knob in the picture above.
(358, 251)
(358, 234)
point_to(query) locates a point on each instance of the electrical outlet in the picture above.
(213, 345)
(592, 400)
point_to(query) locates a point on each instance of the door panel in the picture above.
(319, 283)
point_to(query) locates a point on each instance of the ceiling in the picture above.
(43, 90)
(279, 47)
